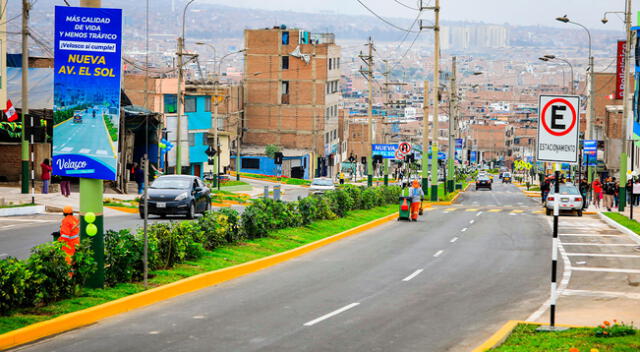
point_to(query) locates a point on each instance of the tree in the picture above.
(271, 150)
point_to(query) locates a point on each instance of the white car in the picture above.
(569, 199)
(321, 185)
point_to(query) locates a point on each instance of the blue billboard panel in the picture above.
(590, 147)
(458, 150)
(86, 96)
(473, 157)
(388, 151)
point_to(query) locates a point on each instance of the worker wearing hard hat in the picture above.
(69, 232)
(417, 194)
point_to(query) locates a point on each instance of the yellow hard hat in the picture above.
(67, 209)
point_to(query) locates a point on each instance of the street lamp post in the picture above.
(548, 58)
(592, 109)
(178, 170)
(626, 95)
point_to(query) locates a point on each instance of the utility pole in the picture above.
(388, 103)
(436, 96)
(26, 7)
(368, 60)
(178, 169)
(425, 139)
(452, 121)
(625, 108)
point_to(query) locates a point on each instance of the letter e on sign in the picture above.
(558, 128)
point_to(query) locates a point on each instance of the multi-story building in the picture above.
(292, 94)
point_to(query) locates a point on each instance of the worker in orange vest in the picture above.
(69, 232)
(417, 194)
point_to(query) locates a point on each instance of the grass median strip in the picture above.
(276, 242)
(624, 221)
(525, 338)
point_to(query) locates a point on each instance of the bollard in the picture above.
(266, 192)
(276, 192)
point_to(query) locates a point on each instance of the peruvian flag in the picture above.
(10, 111)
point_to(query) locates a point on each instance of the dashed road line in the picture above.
(463, 230)
(84, 151)
(414, 274)
(517, 211)
(471, 209)
(332, 314)
(479, 213)
(495, 210)
(438, 253)
(471, 221)
(454, 239)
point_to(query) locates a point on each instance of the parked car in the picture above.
(483, 181)
(177, 195)
(569, 199)
(321, 185)
(506, 177)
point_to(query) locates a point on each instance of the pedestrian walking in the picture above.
(597, 192)
(65, 186)
(616, 192)
(609, 193)
(138, 176)
(629, 191)
(45, 176)
(417, 195)
(545, 187)
(636, 192)
(584, 191)
(341, 178)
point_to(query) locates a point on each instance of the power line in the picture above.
(384, 20)
(405, 5)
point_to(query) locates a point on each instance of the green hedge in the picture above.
(44, 277)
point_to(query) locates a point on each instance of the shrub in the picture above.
(295, 217)
(123, 252)
(355, 192)
(83, 265)
(255, 220)
(13, 277)
(192, 237)
(606, 329)
(342, 202)
(49, 280)
(308, 209)
(173, 243)
(216, 229)
(369, 198)
(324, 209)
(233, 221)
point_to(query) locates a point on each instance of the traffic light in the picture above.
(410, 158)
(377, 159)
(277, 158)
(352, 159)
(363, 160)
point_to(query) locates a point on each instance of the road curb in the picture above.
(503, 333)
(123, 209)
(26, 210)
(91, 315)
(634, 236)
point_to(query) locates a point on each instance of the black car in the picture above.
(177, 195)
(483, 182)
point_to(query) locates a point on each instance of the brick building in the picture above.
(292, 92)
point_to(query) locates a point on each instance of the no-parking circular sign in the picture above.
(558, 128)
(405, 148)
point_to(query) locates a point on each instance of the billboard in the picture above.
(86, 95)
(388, 151)
(458, 149)
(620, 69)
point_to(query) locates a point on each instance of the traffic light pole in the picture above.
(452, 121)
(24, 144)
(425, 139)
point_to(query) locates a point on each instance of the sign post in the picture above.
(558, 133)
(87, 73)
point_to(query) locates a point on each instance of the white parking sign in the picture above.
(558, 128)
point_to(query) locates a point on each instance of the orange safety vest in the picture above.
(69, 228)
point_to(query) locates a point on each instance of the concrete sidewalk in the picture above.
(54, 202)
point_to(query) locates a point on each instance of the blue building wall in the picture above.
(268, 166)
(199, 120)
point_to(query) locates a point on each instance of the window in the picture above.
(285, 38)
(170, 103)
(192, 139)
(338, 63)
(330, 64)
(207, 104)
(285, 87)
(250, 163)
(285, 62)
(190, 104)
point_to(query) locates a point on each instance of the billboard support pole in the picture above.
(91, 201)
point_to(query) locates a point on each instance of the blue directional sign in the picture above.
(388, 151)
(87, 73)
(590, 147)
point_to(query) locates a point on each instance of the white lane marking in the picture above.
(84, 151)
(514, 214)
(25, 220)
(608, 270)
(101, 152)
(589, 235)
(601, 244)
(454, 239)
(471, 221)
(479, 213)
(198, 317)
(605, 255)
(438, 253)
(414, 274)
(7, 226)
(463, 230)
(154, 332)
(607, 294)
(334, 313)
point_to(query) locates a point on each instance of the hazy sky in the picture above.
(519, 12)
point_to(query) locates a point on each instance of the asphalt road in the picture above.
(441, 284)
